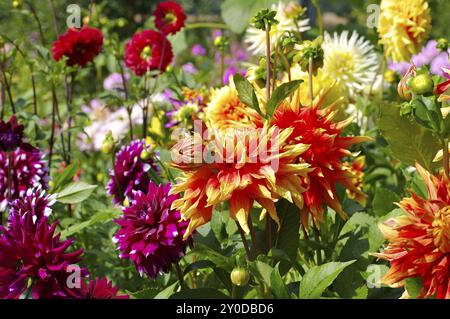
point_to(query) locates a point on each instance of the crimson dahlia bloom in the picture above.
(130, 172)
(151, 233)
(148, 50)
(169, 17)
(27, 171)
(37, 255)
(79, 46)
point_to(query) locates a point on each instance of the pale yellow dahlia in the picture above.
(403, 27)
(350, 60)
(225, 110)
(286, 15)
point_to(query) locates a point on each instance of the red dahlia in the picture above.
(169, 17)
(79, 46)
(148, 50)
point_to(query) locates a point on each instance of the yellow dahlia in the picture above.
(403, 27)
(288, 21)
(241, 168)
(419, 241)
(225, 110)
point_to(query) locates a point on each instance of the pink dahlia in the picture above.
(151, 233)
(130, 172)
(27, 171)
(148, 50)
(35, 257)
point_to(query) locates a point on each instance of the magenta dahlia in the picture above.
(11, 136)
(130, 172)
(99, 288)
(151, 233)
(35, 258)
(28, 170)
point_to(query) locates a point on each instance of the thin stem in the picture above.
(267, 28)
(445, 157)
(8, 91)
(38, 21)
(310, 77)
(116, 179)
(179, 274)
(222, 66)
(52, 134)
(319, 16)
(318, 250)
(33, 85)
(69, 99)
(244, 241)
(269, 233)
(9, 176)
(253, 234)
(54, 17)
(274, 68)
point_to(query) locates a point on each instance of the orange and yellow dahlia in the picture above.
(419, 241)
(315, 127)
(238, 168)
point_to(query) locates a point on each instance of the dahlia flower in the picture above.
(28, 170)
(151, 232)
(351, 62)
(419, 240)
(288, 21)
(315, 127)
(11, 135)
(99, 288)
(403, 27)
(130, 172)
(169, 17)
(79, 46)
(243, 167)
(225, 110)
(148, 50)
(34, 256)
(356, 169)
(190, 107)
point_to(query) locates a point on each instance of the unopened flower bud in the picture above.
(310, 51)
(422, 84)
(403, 89)
(239, 277)
(442, 44)
(146, 154)
(16, 4)
(221, 42)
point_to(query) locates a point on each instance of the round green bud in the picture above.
(146, 155)
(422, 84)
(239, 276)
(442, 44)
(107, 146)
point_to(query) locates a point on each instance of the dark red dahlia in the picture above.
(148, 50)
(11, 136)
(151, 233)
(169, 17)
(98, 289)
(35, 258)
(131, 172)
(27, 171)
(79, 46)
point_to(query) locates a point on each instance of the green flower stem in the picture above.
(244, 242)
(253, 234)
(206, 25)
(179, 274)
(222, 66)
(267, 29)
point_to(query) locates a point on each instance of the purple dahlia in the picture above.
(11, 136)
(151, 233)
(98, 289)
(27, 171)
(35, 258)
(130, 172)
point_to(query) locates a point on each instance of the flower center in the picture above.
(146, 53)
(9, 140)
(441, 229)
(170, 17)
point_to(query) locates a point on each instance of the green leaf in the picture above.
(148, 293)
(75, 193)
(383, 201)
(413, 286)
(167, 292)
(277, 285)
(66, 177)
(408, 141)
(246, 92)
(318, 278)
(100, 217)
(264, 270)
(199, 293)
(178, 41)
(283, 91)
(200, 264)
